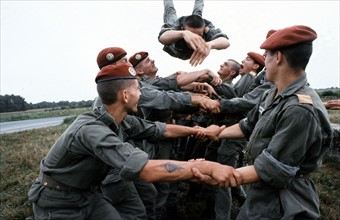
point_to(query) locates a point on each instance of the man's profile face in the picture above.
(148, 66)
(247, 65)
(225, 69)
(133, 93)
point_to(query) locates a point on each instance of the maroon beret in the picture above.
(257, 57)
(288, 37)
(270, 32)
(114, 72)
(137, 58)
(110, 55)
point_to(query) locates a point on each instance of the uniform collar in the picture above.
(228, 82)
(293, 87)
(290, 90)
(105, 117)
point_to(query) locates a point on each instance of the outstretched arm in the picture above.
(170, 170)
(233, 131)
(184, 78)
(193, 40)
(245, 175)
(174, 131)
(219, 43)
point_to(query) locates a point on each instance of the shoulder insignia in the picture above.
(304, 99)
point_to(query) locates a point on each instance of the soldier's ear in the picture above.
(124, 95)
(139, 71)
(232, 73)
(256, 66)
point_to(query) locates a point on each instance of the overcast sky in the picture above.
(49, 48)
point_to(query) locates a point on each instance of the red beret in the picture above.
(114, 72)
(257, 57)
(110, 55)
(137, 58)
(270, 32)
(288, 37)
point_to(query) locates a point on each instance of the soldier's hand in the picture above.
(194, 41)
(200, 88)
(213, 131)
(225, 176)
(216, 80)
(199, 55)
(210, 90)
(212, 105)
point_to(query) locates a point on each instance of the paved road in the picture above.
(15, 126)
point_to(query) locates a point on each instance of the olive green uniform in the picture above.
(282, 158)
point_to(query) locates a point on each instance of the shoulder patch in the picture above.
(304, 99)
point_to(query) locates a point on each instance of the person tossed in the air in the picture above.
(190, 37)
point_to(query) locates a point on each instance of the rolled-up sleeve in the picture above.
(133, 165)
(272, 171)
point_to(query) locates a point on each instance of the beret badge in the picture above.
(132, 71)
(138, 57)
(110, 56)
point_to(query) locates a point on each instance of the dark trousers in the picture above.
(125, 198)
(54, 204)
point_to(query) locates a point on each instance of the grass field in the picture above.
(21, 152)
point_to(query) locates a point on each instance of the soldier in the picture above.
(179, 81)
(288, 131)
(190, 37)
(248, 100)
(70, 174)
(128, 204)
(251, 66)
(151, 97)
(145, 67)
(227, 151)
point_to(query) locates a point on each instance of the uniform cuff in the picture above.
(272, 171)
(133, 165)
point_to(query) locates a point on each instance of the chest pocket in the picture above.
(262, 133)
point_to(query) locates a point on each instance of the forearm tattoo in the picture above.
(170, 167)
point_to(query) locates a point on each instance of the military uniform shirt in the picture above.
(242, 85)
(163, 83)
(287, 138)
(92, 144)
(151, 97)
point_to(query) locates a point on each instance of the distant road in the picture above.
(15, 126)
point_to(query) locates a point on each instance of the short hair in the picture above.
(194, 21)
(297, 55)
(236, 66)
(108, 90)
(260, 66)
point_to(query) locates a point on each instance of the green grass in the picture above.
(21, 152)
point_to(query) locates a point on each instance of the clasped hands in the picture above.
(210, 132)
(213, 173)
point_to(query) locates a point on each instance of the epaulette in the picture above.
(304, 99)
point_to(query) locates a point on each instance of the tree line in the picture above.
(13, 103)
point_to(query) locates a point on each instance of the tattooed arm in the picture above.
(171, 170)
